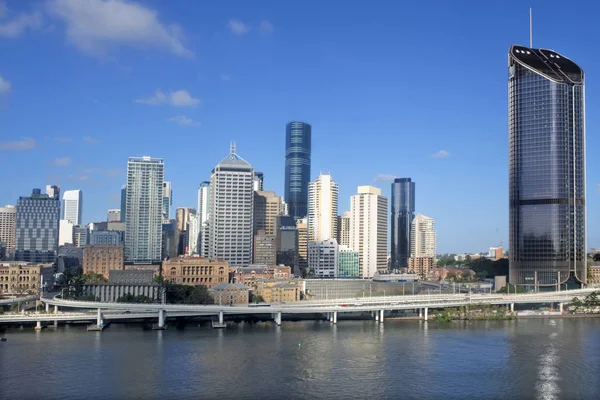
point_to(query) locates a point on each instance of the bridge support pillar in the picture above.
(420, 313)
(560, 307)
(161, 318)
(426, 312)
(220, 317)
(56, 323)
(376, 316)
(334, 319)
(99, 320)
(278, 318)
(55, 309)
(47, 307)
(38, 326)
(381, 312)
(512, 307)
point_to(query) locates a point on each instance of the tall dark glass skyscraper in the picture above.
(403, 213)
(546, 168)
(297, 167)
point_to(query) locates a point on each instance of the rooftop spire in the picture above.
(232, 148)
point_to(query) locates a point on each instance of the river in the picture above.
(525, 359)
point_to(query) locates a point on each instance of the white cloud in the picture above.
(441, 154)
(17, 25)
(80, 178)
(90, 140)
(4, 85)
(266, 27)
(237, 27)
(63, 139)
(97, 26)
(184, 121)
(179, 98)
(384, 178)
(25, 144)
(61, 162)
(225, 77)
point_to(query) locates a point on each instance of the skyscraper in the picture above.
(322, 209)
(258, 181)
(72, 205)
(343, 228)
(123, 203)
(297, 167)
(547, 224)
(167, 202)
(287, 243)
(403, 213)
(8, 228)
(143, 232)
(302, 228)
(267, 206)
(37, 223)
(203, 217)
(368, 229)
(231, 205)
(423, 238)
(113, 215)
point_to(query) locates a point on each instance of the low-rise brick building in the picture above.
(252, 273)
(278, 291)
(230, 294)
(101, 259)
(196, 270)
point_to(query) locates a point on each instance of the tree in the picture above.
(466, 275)
(199, 295)
(450, 276)
(129, 298)
(92, 277)
(467, 259)
(256, 298)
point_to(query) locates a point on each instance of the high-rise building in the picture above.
(37, 226)
(231, 206)
(53, 191)
(80, 236)
(547, 215)
(322, 209)
(258, 181)
(193, 234)
(423, 238)
(348, 262)
(287, 243)
(123, 202)
(267, 206)
(203, 217)
(265, 249)
(72, 205)
(105, 238)
(65, 232)
(8, 228)
(302, 228)
(114, 215)
(297, 167)
(143, 233)
(369, 229)
(323, 258)
(403, 213)
(167, 201)
(182, 216)
(343, 228)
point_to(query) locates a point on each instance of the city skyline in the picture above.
(350, 101)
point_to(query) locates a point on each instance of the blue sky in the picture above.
(408, 88)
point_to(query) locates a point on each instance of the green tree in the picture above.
(199, 295)
(129, 298)
(256, 298)
(450, 276)
(92, 277)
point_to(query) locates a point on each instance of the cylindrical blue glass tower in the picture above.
(297, 167)
(403, 213)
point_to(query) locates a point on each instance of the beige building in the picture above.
(230, 294)
(8, 227)
(278, 291)
(343, 236)
(265, 249)
(196, 270)
(101, 259)
(302, 227)
(267, 206)
(254, 273)
(423, 238)
(368, 229)
(322, 209)
(182, 217)
(19, 278)
(421, 265)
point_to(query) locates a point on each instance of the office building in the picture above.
(105, 238)
(170, 240)
(101, 259)
(182, 217)
(302, 228)
(402, 215)
(287, 243)
(265, 248)
(123, 202)
(65, 232)
(167, 201)
(203, 217)
(193, 235)
(258, 181)
(369, 229)
(231, 204)
(343, 228)
(323, 258)
(297, 167)
(547, 215)
(423, 242)
(195, 270)
(37, 226)
(72, 206)
(114, 215)
(8, 228)
(80, 236)
(143, 234)
(53, 191)
(348, 262)
(267, 207)
(322, 209)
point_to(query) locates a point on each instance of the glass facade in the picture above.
(297, 167)
(403, 213)
(546, 168)
(348, 263)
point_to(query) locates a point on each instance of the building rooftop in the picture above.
(548, 63)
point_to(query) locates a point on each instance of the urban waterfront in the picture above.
(537, 359)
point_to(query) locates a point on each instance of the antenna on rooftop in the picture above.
(530, 28)
(232, 147)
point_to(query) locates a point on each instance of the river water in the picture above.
(525, 359)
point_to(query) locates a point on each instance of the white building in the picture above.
(193, 234)
(8, 228)
(423, 238)
(343, 236)
(114, 215)
(368, 229)
(323, 258)
(231, 206)
(322, 209)
(71, 206)
(143, 232)
(203, 211)
(167, 202)
(65, 232)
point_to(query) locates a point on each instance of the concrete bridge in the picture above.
(377, 306)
